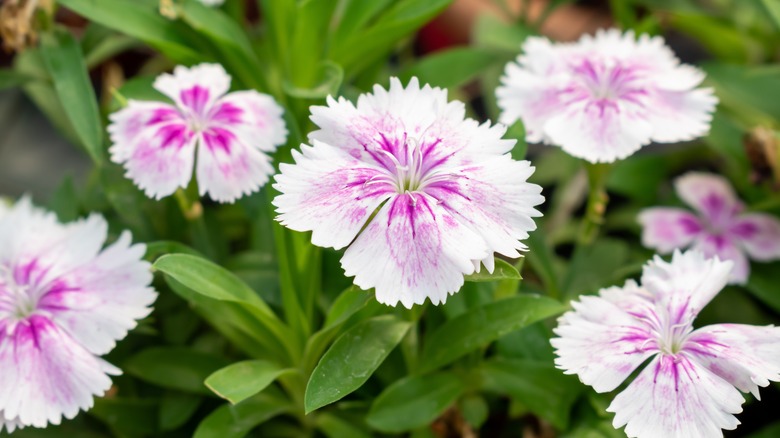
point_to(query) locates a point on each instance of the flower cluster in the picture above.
(64, 302)
(691, 386)
(420, 194)
(604, 97)
(720, 228)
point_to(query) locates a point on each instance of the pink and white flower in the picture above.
(719, 226)
(691, 387)
(231, 134)
(64, 302)
(420, 194)
(605, 96)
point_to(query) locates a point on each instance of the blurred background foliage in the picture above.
(267, 320)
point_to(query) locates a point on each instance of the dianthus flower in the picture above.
(721, 227)
(233, 133)
(605, 96)
(63, 303)
(419, 193)
(691, 387)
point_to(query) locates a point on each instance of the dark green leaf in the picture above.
(349, 302)
(451, 68)
(502, 271)
(545, 390)
(175, 368)
(482, 325)
(127, 417)
(414, 402)
(330, 75)
(230, 421)
(595, 266)
(336, 427)
(176, 408)
(163, 247)
(241, 380)
(12, 78)
(141, 19)
(64, 61)
(352, 359)
(763, 283)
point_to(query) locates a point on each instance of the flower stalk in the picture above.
(597, 201)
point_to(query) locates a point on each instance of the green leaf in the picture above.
(230, 40)
(176, 408)
(347, 303)
(482, 325)
(12, 78)
(362, 48)
(352, 359)
(64, 61)
(128, 417)
(64, 202)
(330, 77)
(502, 271)
(545, 390)
(721, 39)
(214, 281)
(174, 368)
(763, 283)
(491, 32)
(356, 14)
(336, 427)
(595, 266)
(142, 20)
(230, 421)
(451, 68)
(773, 8)
(414, 402)
(241, 380)
(751, 94)
(540, 257)
(163, 247)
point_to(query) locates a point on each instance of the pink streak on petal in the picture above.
(746, 356)
(195, 99)
(676, 397)
(758, 234)
(667, 229)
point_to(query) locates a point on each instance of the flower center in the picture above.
(605, 81)
(408, 166)
(19, 300)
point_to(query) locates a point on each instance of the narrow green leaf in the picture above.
(482, 325)
(595, 266)
(241, 380)
(773, 7)
(355, 15)
(330, 75)
(349, 302)
(64, 61)
(414, 402)
(502, 271)
(337, 427)
(141, 19)
(12, 78)
(163, 247)
(176, 408)
(175, 368)
(216, 282)
(352, 359)
(230, 421)
(545, 390)
(230, 40)
(451, 68)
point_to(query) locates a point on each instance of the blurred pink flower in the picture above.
(419, 193)
(720, 228)
(63, 303)
(232, 132)
(605, 96)
(691, 386)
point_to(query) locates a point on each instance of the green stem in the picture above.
(597, 202)
(192, 210)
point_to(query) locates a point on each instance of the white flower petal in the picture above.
(329, 193)
(675, 397)
(686, 284)
(413, 250)
(100, 302)
(46, 374)
(745, 356)
(601, 340)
